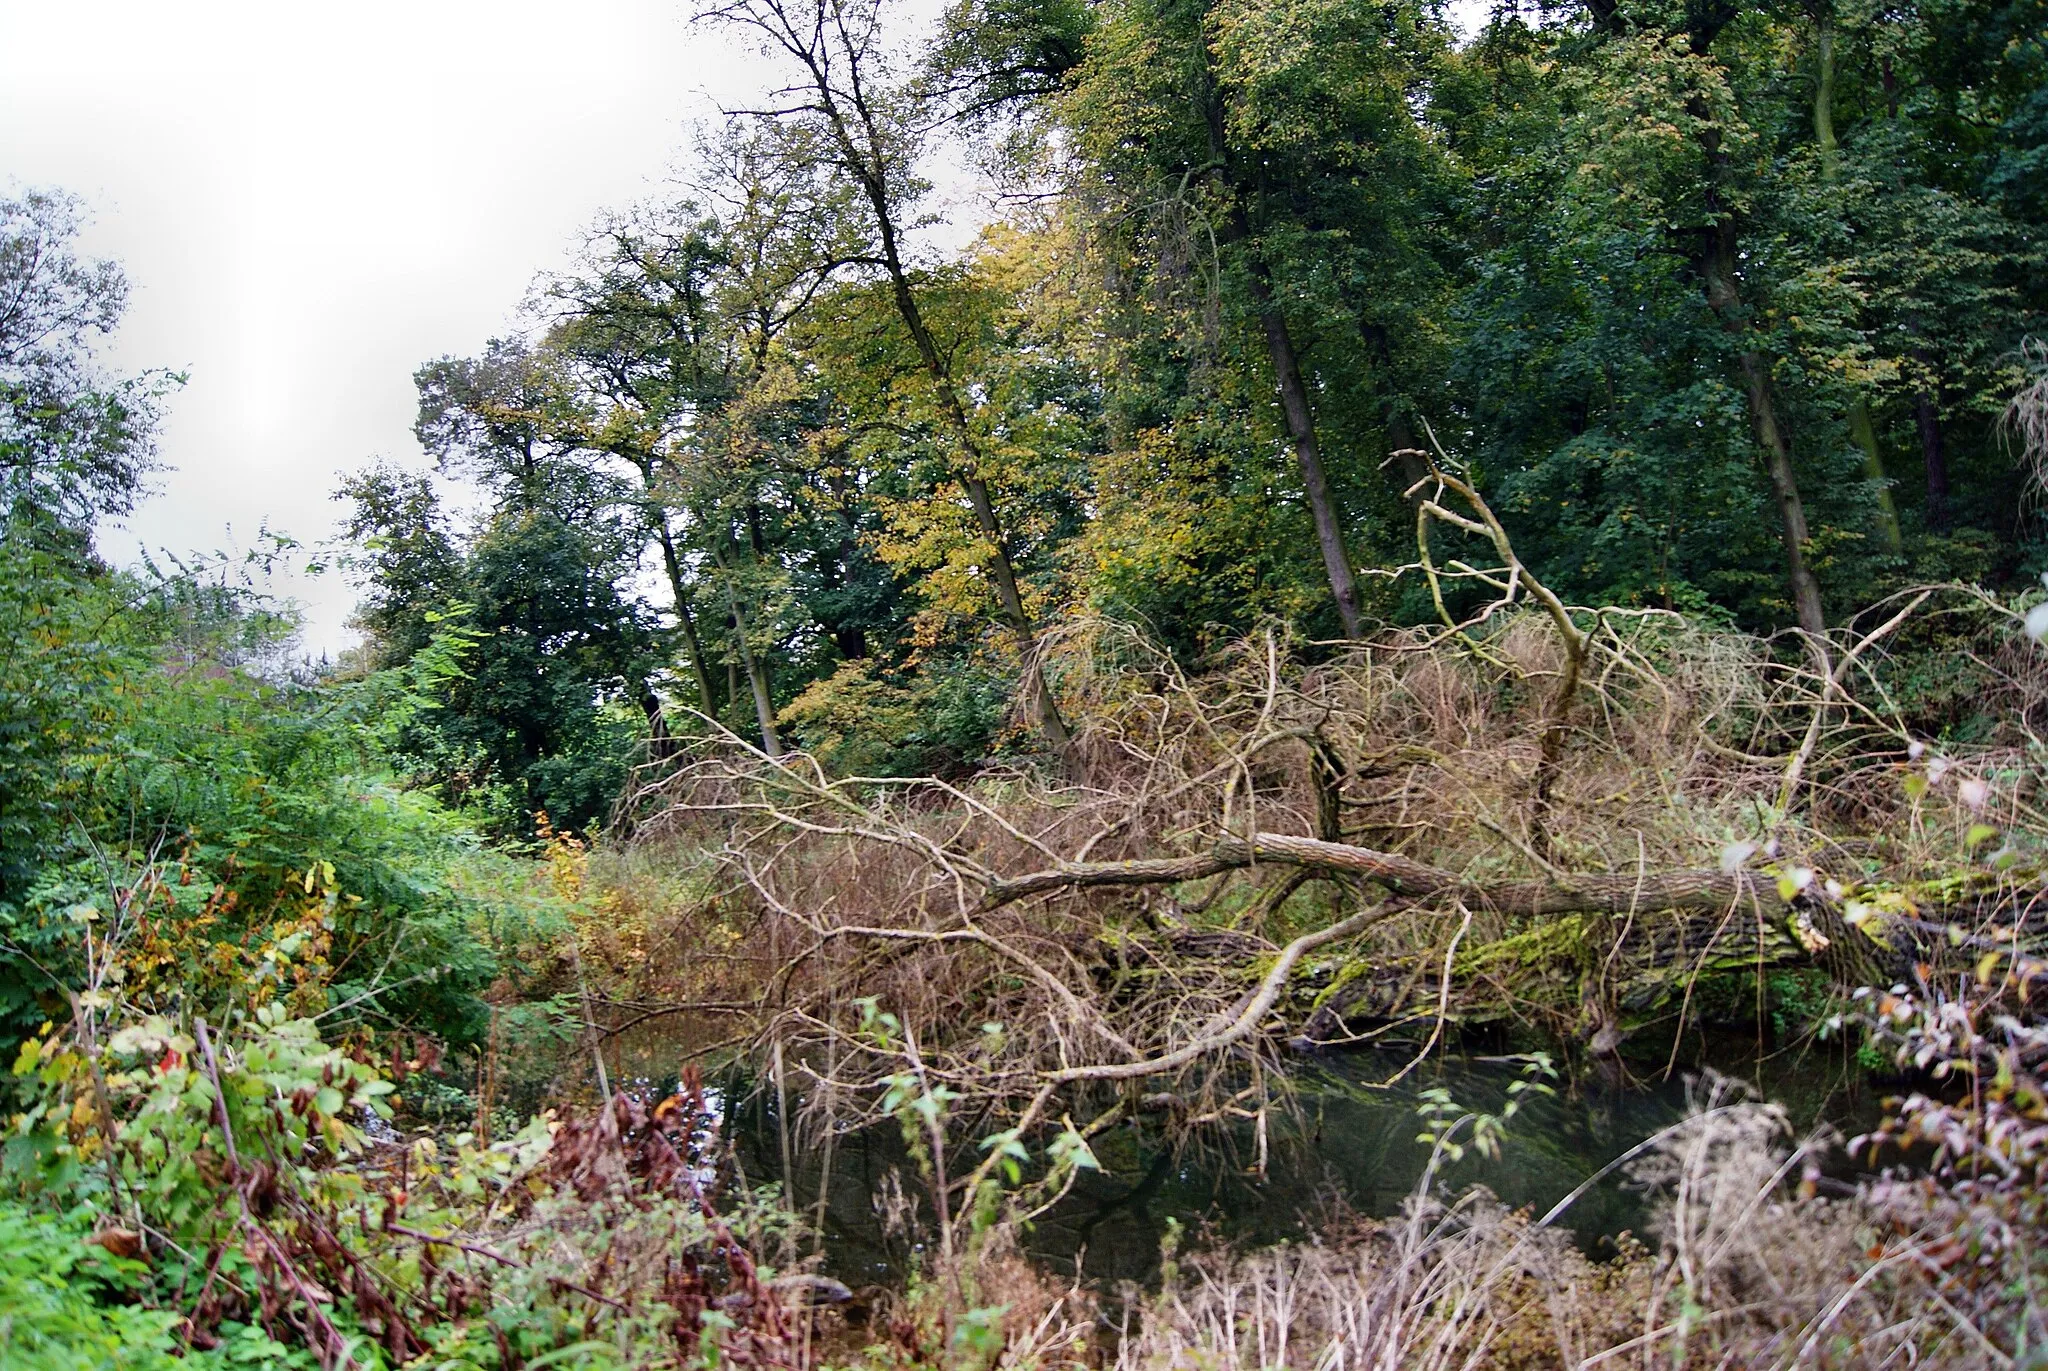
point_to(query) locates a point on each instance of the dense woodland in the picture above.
(1525, 541)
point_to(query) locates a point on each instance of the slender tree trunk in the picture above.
(1715, 257)
(1294, 403)
(1824, 102)
(1297, 410)
(1861, 429)
(1301, 428)
(1718, 272)
(1792, 531)
(1045, 712)
(1865, 434)
(750, 661)
(672, 562)
(838, 86)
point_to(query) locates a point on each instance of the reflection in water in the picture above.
(1349, 1145)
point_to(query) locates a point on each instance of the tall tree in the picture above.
(1829, 149)
(670, 331)
(845, 111)
(409, 567)
(1268, 171)
(635, 328)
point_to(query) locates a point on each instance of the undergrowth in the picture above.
(224, 1158)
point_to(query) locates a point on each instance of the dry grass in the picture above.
(1751, 1269)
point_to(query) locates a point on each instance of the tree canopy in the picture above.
(1720, 306)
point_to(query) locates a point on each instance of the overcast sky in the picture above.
(310, 201)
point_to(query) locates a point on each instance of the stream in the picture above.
(1349, 1144)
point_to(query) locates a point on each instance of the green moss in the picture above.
(1348, 971)
(1547, 943)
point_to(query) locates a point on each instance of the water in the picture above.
(1347, 1144)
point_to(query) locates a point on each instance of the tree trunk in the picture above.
(1824, 103)
(1294, 403)
(1718, 270)
(1301, 428)
(1865, 434)
(1716, 258)
(1792, 531)
(750, 661)
(1927, 413)
(864, 154)
(1045, 712)
(672, 562)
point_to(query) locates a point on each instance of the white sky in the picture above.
(310, 201)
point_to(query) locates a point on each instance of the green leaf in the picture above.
(1070, 1149)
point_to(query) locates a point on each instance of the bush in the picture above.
(230, 832)
(62, 1300)
(864, 721)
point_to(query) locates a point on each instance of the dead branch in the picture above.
(1600, 893)
(1248, 1018)
(1048, 941)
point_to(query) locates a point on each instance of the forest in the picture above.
(1391, 716)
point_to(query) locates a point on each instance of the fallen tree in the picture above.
(1567, 818)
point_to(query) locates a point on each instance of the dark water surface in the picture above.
(1350, 1144)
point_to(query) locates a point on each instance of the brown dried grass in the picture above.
(1751, 1269)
